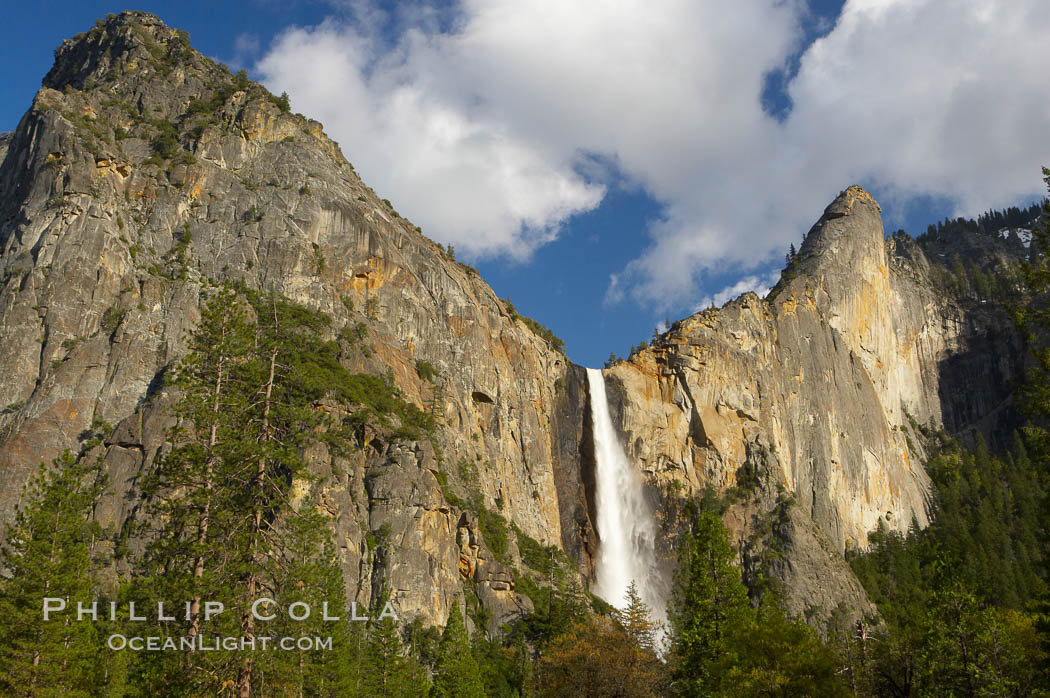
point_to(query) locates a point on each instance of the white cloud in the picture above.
(466, 177)
(760, 284)
(483, 133)
(942, 96)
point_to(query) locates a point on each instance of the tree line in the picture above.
(962, 605)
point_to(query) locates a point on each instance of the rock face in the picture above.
(817, 391)
(144, 171)
(106, 246)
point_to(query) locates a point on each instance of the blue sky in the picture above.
(607, 166)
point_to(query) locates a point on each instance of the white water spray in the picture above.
(626, 527)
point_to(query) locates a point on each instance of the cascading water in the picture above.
(626, 527)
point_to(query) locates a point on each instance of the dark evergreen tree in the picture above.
(387, 668)
(780, 657)
(637, 621)
(196, 500)
(313, 579)
(225, 524)
(709, 609)
(48, 556)
(456, 673)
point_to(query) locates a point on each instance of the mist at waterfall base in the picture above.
(625, 522)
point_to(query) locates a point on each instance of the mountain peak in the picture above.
(131, 40)
(131, 76)
(847, 199)
(848, 236)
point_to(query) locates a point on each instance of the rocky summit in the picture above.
(144, 174)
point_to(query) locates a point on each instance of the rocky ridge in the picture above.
(813, 396)
(144, 172)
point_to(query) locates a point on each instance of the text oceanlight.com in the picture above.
(200, 643)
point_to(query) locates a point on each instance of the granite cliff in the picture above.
(143, 172)
(817, 396)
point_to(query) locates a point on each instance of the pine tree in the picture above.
(114, 666)
(312, 577)
(597, 658)
(382, 667)
(387, 669)
(777, 656)
(227, 528)
(48, 554)
(709, 608)
(456, 673)
(559, 604)
(196, 499)
(1034, 320)
(636, 619)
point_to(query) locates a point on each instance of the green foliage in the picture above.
(557, 597)
(208, 107)
(748, 481)
(319, 262)
(309, 562)
(258, 366)
(468, 473)
(535, 555)
(971, 649)
(1033, 318)
(636, 620)
(494, 532)
(317, 373)
(183, 241)
(987, 224)
(111, 319)
(777, 656)
(976, 254)
(385, 668)
(544, 333)
(599, 658)
(372, 307)
(426, 370)
(456, 672)
(282, 102)
(985, 522)
(721, 645)
(101, 427)
(447, 493)
(494, 528)
(47, 553)
(709, 607)
(166, 143)
(506, 668)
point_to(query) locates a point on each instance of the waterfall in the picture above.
(625, 523)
